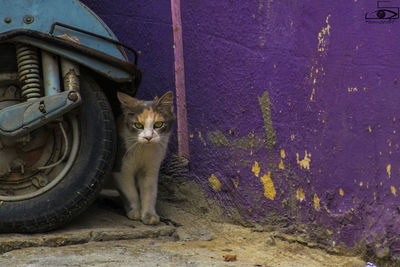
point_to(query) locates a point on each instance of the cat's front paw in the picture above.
(133, 215)
(150, 218)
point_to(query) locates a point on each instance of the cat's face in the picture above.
(148, 122)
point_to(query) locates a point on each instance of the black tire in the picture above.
(80, 186)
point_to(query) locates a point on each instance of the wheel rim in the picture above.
(36, 182)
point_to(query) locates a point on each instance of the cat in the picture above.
(143, 133)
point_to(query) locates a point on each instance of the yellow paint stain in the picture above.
(323, 35)
(305, 162)
(281, 165)
(300, 195)
(283, 155)
(352, 89)
(312, 94)
(269, 189)
(393, 189)
(236, 184)
(251, 142)
(316, 202)
(316, 71)
(370, 129)
(292, 137)
(315, 81)
(256, 169)
(199, 134)
(361, 183)
(341, 192)
(367, 185)
(374, 196)
(191, 135)
(230, 131)
(274, 66)
(388, 168)
(215, 183)
(251, 152)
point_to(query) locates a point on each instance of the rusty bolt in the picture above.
(8, 20)
(73, 96)
(42, 108)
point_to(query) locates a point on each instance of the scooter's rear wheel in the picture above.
(48, 198)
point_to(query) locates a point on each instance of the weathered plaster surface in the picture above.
(292, 106)
(297, 106)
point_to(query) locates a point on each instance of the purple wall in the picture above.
(292, 108)
(145, 26)
(294, 115)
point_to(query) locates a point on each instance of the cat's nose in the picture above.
(148, 138)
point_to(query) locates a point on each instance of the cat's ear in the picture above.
(166, 99)
(127, 101)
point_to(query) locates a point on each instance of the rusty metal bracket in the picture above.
(53, 26)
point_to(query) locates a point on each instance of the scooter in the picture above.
(60, 66)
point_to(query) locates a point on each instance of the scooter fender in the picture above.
(71, 30)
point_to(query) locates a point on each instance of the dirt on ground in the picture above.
(105, 237)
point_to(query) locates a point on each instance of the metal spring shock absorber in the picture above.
(28, 71)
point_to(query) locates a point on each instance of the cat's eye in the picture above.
(158, 124)
(138, 125)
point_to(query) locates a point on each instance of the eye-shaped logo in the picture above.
(383, 13)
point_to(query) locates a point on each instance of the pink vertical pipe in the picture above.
(183, 140)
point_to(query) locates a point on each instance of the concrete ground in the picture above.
(103, 236)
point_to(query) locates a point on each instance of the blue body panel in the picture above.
(70, 12)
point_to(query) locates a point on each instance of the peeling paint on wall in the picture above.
(393, 190)
(281, 165)
(323, 35)
(316, 202)
(388, 169)
(269, 189)
(215, 183)
(283, 156)
(270, 133)
(217, 138)
(305, 162)
(256, 169)
(317, 70)
(300, 195)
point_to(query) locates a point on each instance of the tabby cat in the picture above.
(143, 132)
